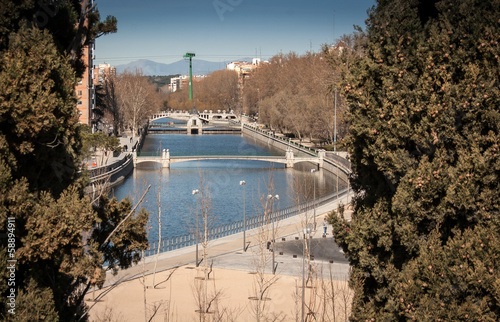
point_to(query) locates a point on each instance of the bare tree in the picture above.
(109, 100)
(264, 255)
(138, 99)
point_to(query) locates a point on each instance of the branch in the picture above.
(126, 217)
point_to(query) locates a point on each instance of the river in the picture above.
(222, 180)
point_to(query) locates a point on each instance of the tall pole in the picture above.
(190, 56)
(314, 198)
(243, 183)
(195, 192)
(335, 129)
(276, 197)
(303, 276)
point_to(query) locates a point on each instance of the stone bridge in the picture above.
(206, 116)
(289, 159)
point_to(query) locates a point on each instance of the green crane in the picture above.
(190, 56)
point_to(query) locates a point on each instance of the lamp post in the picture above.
(195, 192)
(306, 231)
(190, 56)
(276, 197)
(314, 197)
(243, 183)
(335, 127)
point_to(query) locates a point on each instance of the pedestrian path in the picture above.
(227, 252)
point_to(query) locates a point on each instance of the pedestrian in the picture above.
(325, 226)
(130, 139)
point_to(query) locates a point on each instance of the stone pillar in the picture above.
(289, 158)
(321, 157)
(165, 158)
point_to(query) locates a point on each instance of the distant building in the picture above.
(176, 83)
(102, 72)
(85, 90)
(243, 68)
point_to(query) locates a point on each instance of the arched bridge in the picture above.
(207, 116)
(289, 159)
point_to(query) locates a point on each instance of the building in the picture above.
(244, 69)
(103, 71)
(85, 90)
(176, 83)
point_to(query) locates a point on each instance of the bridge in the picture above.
(206, 116)
(289, 159)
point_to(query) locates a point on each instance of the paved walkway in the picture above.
(109, 158)
(227, 252)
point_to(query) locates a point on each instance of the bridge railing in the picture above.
(298, 146)
(186, 240)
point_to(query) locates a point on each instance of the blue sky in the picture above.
(218, 30)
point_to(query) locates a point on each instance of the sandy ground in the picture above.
(175, 297)
(232, 283)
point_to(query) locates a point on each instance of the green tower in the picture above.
(190, 56)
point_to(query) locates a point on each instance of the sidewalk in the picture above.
(110, 159)
(227, 252)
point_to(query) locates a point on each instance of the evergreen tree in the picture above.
(61, 240)
(424, 241)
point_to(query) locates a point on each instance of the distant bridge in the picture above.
(165, 159)
(206, 116)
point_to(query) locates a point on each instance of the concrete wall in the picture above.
(276, 141)
(282, 144)
(111, 174)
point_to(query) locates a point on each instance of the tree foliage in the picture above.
(138, 99)
(59, 235)
(424, 111)
(293, 94)
(218, 91)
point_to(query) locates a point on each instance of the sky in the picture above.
(220, 30)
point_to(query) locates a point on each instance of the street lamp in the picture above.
(243, 183)
(335, 127)
(271, 197)
(195, 192)
(314, 197)
(306, 231)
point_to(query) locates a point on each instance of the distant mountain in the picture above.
(150, 68)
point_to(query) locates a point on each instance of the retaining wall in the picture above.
(331, 163)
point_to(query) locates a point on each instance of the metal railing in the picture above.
(287, 141)
(189, 239)
(105, 171)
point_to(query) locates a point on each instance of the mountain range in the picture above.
(151, 68)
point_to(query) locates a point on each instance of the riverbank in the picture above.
(232, 275)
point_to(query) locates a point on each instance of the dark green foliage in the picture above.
(58, 234)
(37, 114)
(424, 106)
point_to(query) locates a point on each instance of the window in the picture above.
(80, 102)
(79, 93)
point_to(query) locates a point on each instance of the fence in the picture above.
(287, 141)
(104, 172)
(181, 241)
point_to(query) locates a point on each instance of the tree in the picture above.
(424, 149)
(138, 99)
(41, 190)
(107, 102)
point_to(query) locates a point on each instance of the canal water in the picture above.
(221, 178)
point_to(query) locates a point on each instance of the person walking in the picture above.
(325, 226)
